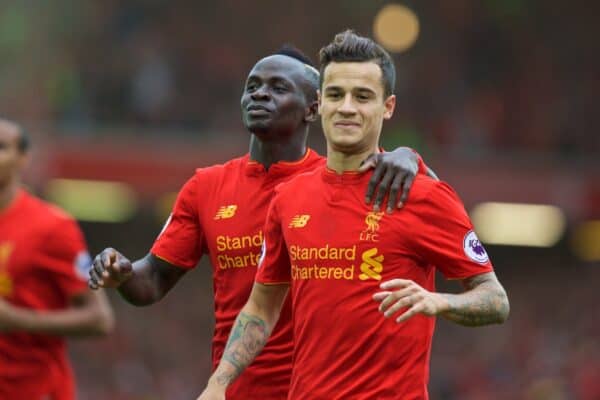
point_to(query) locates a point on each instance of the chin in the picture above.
(258, 127)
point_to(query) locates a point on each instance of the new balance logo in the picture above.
(226, 212)
(371, 266)
(299, 221)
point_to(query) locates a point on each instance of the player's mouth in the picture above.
(346, 124)
(257, 110)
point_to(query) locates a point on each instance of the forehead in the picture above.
(278, 66)
(350, 75)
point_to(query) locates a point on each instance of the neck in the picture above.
(8, 193)
(341, 161)
(268, 152)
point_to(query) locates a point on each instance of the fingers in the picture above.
(96, 281)
(395, 284)
(405, 190)
(369, 163)
(394, 188)
(409, 294)
(414, 310)
(383, 187)
(398, 296)
(109, 269)
(375, 178)
(108, 256)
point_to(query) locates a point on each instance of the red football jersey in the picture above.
(221, 211)
(335, 250)
(43, 263)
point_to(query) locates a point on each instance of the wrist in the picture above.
(443, 303)
(217, 384)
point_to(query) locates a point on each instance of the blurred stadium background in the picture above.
(125, 98)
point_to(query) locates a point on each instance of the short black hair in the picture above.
(24, 141)
(311, 74)
(294, 52)
(348, 46)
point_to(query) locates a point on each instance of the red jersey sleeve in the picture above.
(65, 256)
(274, 263)
(445, 236)
(181, 241)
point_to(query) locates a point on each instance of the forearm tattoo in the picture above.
(485, 302)
(246, 341)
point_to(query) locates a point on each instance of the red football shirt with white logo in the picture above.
(322, 238)
(43, 264)
(221, 211)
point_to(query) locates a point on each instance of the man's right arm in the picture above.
(249, 335)
(142, 283)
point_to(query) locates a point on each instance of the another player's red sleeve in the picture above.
(66, 257)
(445, 235)
(274, 263)
(180, 242)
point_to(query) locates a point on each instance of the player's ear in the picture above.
(319, 101)
(24, 159)
(312, 111)
(390, 105)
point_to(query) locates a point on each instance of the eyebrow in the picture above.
(359, 89)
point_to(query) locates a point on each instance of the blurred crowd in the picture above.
(483, 76)
(548, 349)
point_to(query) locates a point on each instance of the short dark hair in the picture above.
(311, 74)
(347, 46)
(294, 52)
(23, 142)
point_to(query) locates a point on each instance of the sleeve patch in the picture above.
(474, 249)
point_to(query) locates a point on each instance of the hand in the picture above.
(408, 294)
(213, 392)
(110, 269)
(393, 171)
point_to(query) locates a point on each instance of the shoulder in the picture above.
(216, 171)
(304, 180)
(48, 216)
(430, 198)
(425, 187)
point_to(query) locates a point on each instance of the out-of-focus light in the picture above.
(164, 206)
(94, 201)
(586, 241)
(396, 27)
(518, 224)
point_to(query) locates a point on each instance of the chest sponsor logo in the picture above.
(338, 263)
(299, 221)
(474, 249)
(371, 266)
(371, 232)
(226, 212)
(238, 251)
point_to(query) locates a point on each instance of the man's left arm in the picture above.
(483, 302)
(89, 314)
(394, 173)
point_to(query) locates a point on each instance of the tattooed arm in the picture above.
(248, 336)
(483, 302)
